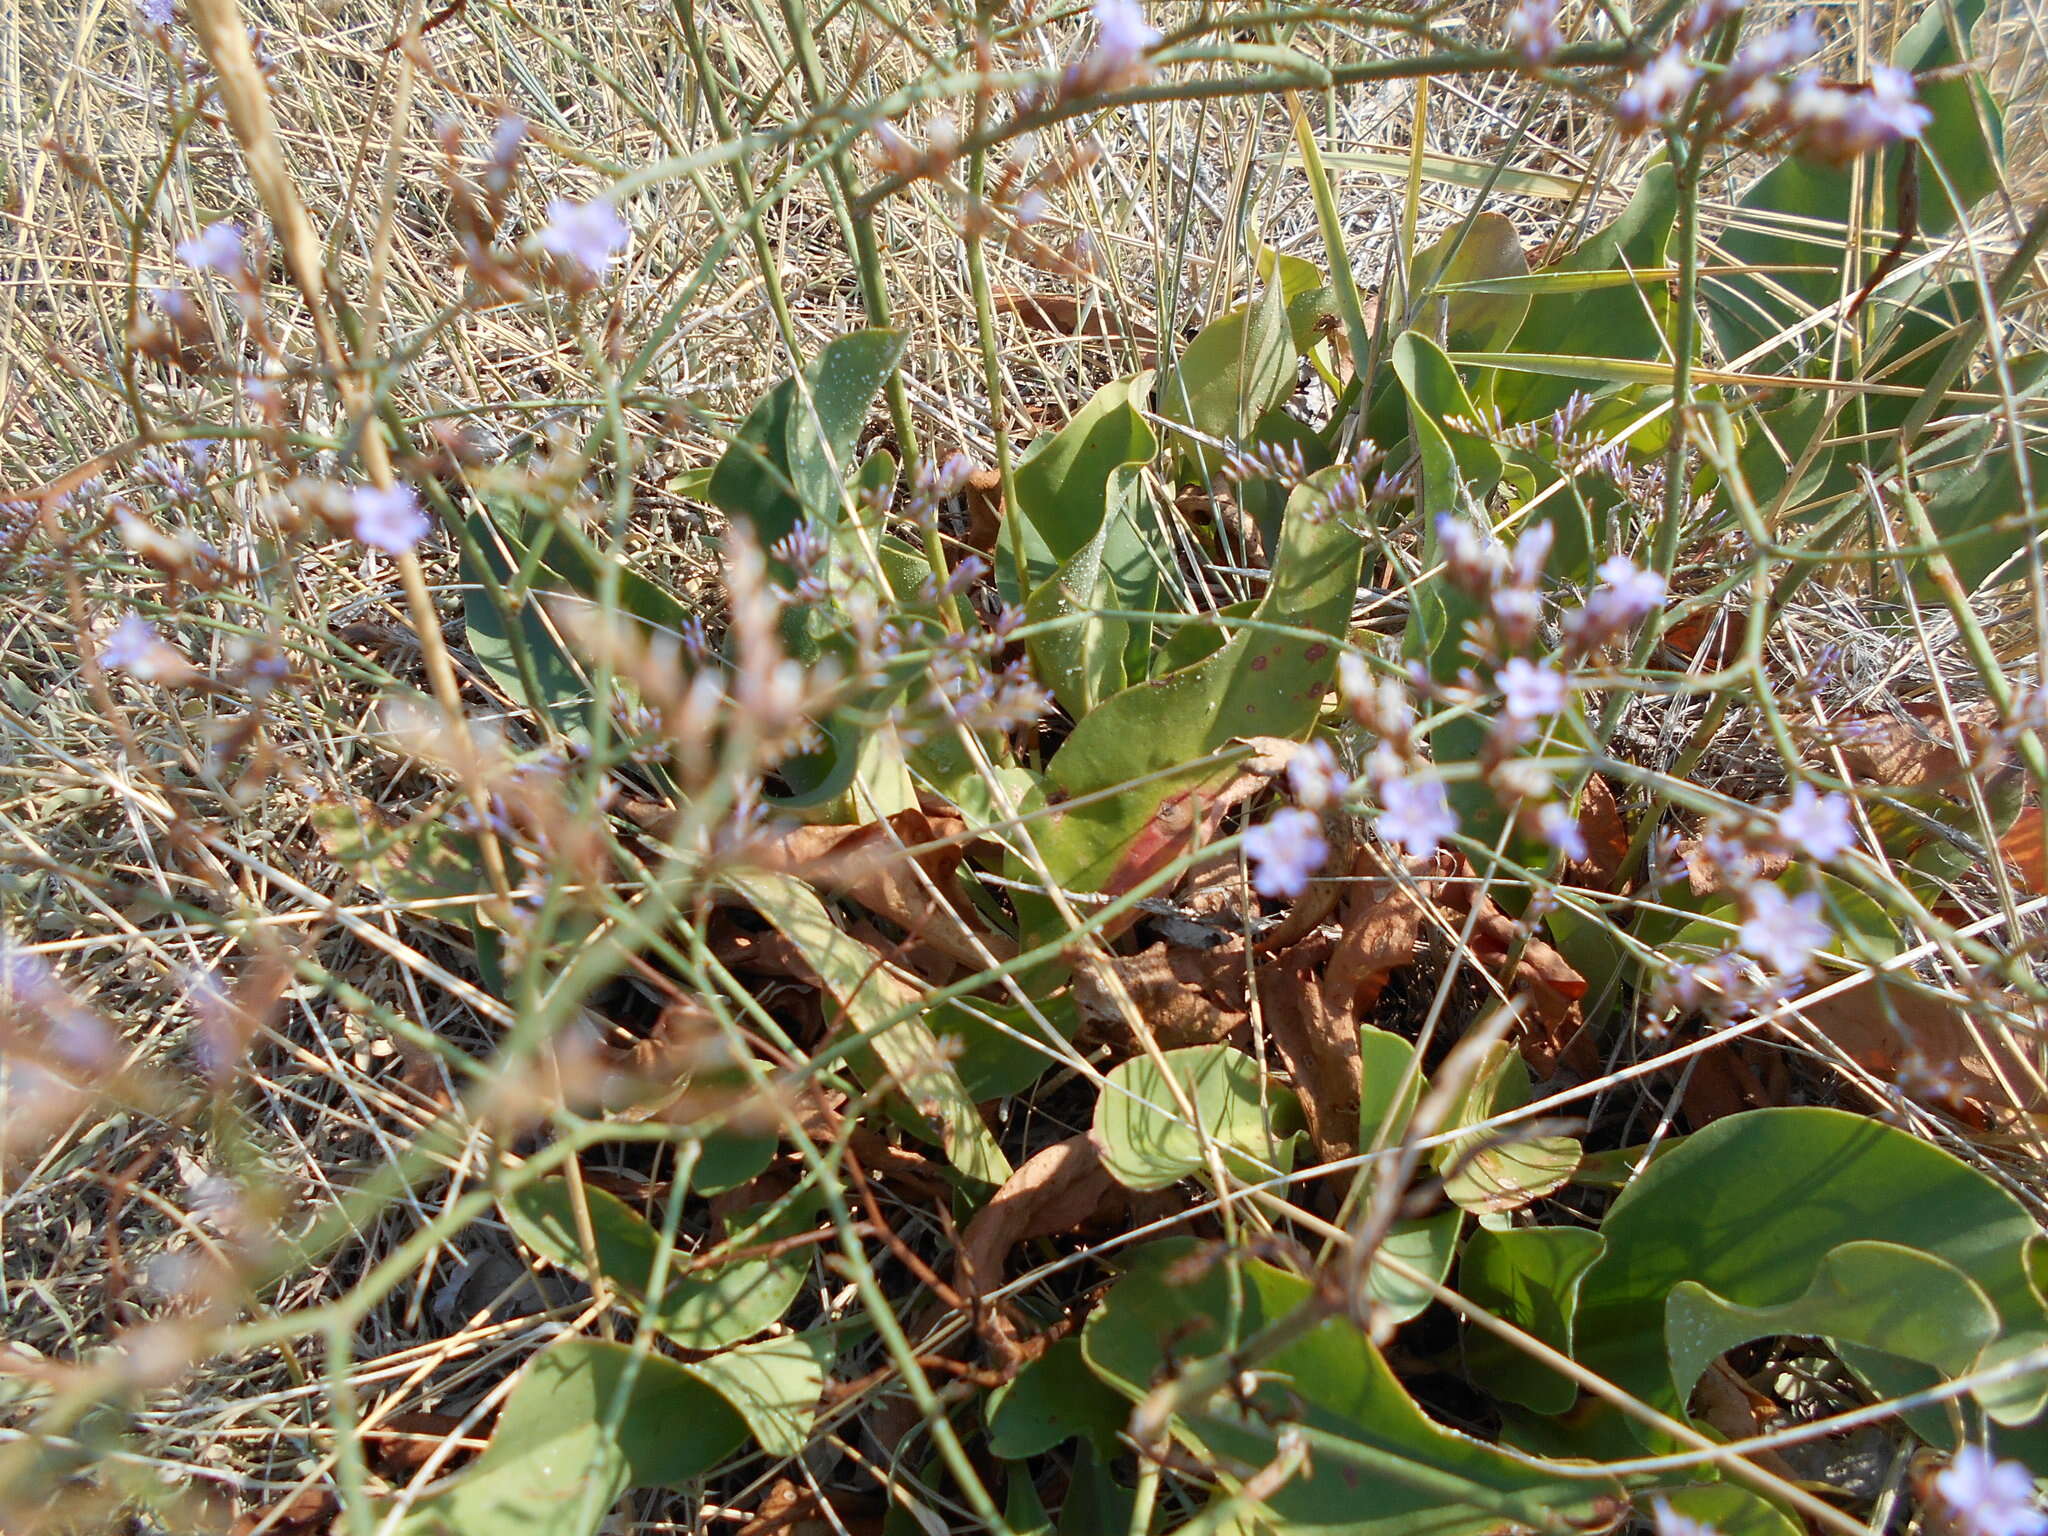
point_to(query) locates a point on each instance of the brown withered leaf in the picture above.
(1917, 751)
(304, 1513)
(984, 500)
(1056, 1190)
(869, 864)
(1707, 878)
(401, 1444)
(1061, 314)
(1606, 834)
(1317, 1041)
(1928, 1046)
(1172, 828)
(1553, 1032)
(2026, 849)
(1736, 1075)
(1186, 996)
(1382, 920)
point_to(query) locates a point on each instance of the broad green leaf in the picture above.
(1494, 1171)
(882, 1007)
(497, 632)
(1750, 1207)
(1238, 367)
(774, 1384)
(1256, 683)
(1472, 319)
(1729, 1509)
(1426, 1243)
(706, 1310)
(1798, 213)
(1379, 1465)
(1050, 1401)
(1148, 1143)
(993, 1062)
(586, 1422)
(1974, 501)
(1529, 1276)
(1592, 324)
(793, 453)
(1390, 1086)
(1879, 1295)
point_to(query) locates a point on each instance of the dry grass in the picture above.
(101, 785)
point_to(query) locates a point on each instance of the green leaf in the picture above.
(1237, 368)
(1426, 1243)
(1593, 324)
(586, 1422)
(993, 1063)
(1256, 683)
(1473, 319)
(774, 1384)
(495, 632)
(1729, 1509)
(1379, 1465)
(1494, 1171)
(883, 1008)
(1530, 1276)
(1879, 1295)
(1390, 1086)
(421, 860)
(1147, 1143)
(790, 458)
(1050, 1401)
(1749, 1209)
(707, 1310)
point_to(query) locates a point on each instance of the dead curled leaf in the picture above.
(1061, 1188)
(872, 864)
(1932, 1046)
(1172, 828)
(1061, 314)
(1186, 996)
(1918, 750)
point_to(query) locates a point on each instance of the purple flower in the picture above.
(1285, 851)
(1530, 690)
(1124, 34)
(1560, 828)
(1818, 826)
(390, 520)
(1989, 1498)
(1314, 777)
(1658, 91)
(1417, 818)
(1031, 206)
(508, 137)
(216, 248)
(1890, 108)
(591, 235)
(136, 648)
(1782, 931)
(154, 13)
(1532, 31)
(1532, 553)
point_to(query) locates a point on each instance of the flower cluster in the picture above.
(1766, 92)
(586, 238)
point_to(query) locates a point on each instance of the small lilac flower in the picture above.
(1124, 34)
(1818, 826)
(1532, 553)
(1658, 91)
(216, 248)
(1417, 818)
(1473, 557)
(136, 648)
(390, 520)
(1314, 777)
(1630, 590)
(1782, 931)
(1891, 108)
(1031, 206)
(1989, 1498)
(154, 13)
(1557, 826)
(1530, 690)
(507, 139)
(1285, 851)
(1532, 31)
(591, 235)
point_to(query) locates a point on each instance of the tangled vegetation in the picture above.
(843, 769)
